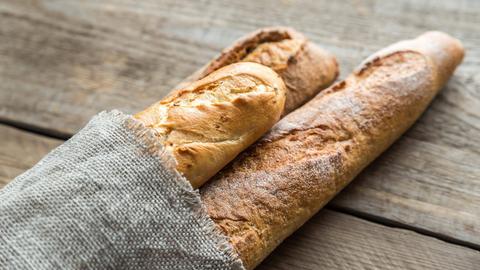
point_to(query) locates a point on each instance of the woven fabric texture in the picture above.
(108, 198)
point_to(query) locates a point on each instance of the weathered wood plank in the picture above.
(423, 185)
(332, 240)
(20, 150)
(63, 61)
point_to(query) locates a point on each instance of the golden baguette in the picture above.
(209, 122)
(275, 186)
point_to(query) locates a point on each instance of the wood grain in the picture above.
(332, 240)
(20, 150)
(63, 61)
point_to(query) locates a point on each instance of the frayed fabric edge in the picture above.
(152, 147)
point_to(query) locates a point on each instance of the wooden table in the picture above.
(416, 207)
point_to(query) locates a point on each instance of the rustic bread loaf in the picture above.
(280, 182)
(204, 138)
(209, 122)
(305, 68)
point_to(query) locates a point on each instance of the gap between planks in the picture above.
(395, 224)
(52, 133)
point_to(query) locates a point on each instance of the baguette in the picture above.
(304, 67)
(206, 124)
(203, 138)
(275, 186)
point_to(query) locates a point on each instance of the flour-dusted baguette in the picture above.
(207, 123)
(279, 183)
(305, 68)
(204, 138)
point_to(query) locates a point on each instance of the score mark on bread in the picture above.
(207, 123)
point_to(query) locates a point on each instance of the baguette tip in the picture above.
(444, 51)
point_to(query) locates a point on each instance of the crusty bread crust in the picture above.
(280, 182)
(206, 124)
(305, 68)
